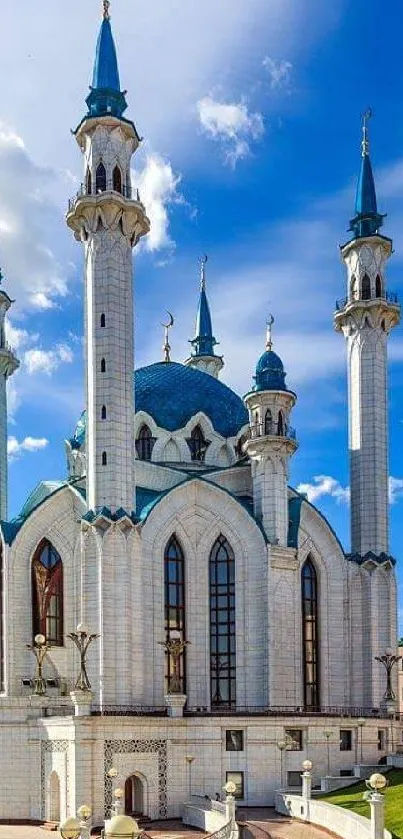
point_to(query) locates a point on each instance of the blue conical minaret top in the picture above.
(367, 220)
(106, 98)
(204, 341)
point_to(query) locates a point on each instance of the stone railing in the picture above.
(341, 822)
(214, 817)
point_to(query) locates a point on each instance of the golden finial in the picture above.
(269, 324)
(106, 9)
(203, 261)
(167, 347)
(365, 141)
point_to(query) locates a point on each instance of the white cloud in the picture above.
(395, 489)
(28, 444)
(19, 338)
(158, 187)
(30, 225)
(47, 361)
(232, 124)
(279, 71)
(325, 485)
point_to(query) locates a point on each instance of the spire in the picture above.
(166, 346)
(269, 325)
(367, 220)
(204, 341)
(106, 97)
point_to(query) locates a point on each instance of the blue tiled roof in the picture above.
(105, 96)
(204, 341)
(172, 394)
(270, 373)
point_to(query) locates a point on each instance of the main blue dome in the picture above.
(172, 394)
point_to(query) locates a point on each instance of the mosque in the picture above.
(233, 636)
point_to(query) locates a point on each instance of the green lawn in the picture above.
(351, 799)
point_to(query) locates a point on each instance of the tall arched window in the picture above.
(268, 422)
(145, 443)
(353, 288)
(222, 625)
(366, 288)
(117, 179)
(103, 365)
(101, 178)
(198, 444)
(47, 594)
(174, 578)
(310, 635)
(378, 286)
(104, 459)
(103, 412)
(280, 424)
(88, 182)
(1, 619)
(103, 321)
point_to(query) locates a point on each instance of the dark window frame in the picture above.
(238, 778)
(294, 738)
(117, 179)
(366, 287)
(235, 740)
(174, 604)
(47, 593)
(310, 635)
(145, 443)
(346, 739)
(222, 624)
(100, 178)
(198, 444)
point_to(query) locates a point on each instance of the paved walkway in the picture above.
(259, 823)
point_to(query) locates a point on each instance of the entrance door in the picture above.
(134, 798)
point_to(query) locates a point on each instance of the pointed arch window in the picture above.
(222, 625)
(104, 459)
(103, 321)
(174, 583)
(268, 422)
(47, 594)
(353, 288)
(117, 179)
(101, 178)
(310, 635)
(88, 182)
(103, 365)
(198, 444)
(366, 287)
(145, 443)
(103, 412)
(378, 286)
(280, 424)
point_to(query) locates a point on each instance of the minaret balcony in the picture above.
(390, 297)
(83, 192)
(258, 431)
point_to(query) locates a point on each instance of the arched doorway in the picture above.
(134, 796)
(54, 797)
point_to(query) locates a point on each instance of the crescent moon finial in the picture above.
(365, 141)
(269, 324)
(203, 260)
(167, 326)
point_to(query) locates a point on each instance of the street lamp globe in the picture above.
(84, 812)
(118, 793)
(229, 788)
(378, 781)
(70, 828)
(40, 639)
(112, 772)
(122, 827)
(281, 745)
(82, 629)
(361, 721)
(307, 765)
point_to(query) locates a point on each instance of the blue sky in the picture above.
(250, 110)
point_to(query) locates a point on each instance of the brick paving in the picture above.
(259, 823)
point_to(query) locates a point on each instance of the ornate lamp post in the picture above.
(84, 813)
(82, 640)
(70, 828)
(376, 783)
(328, 735)
(40, 650)
(189, 760)
(174, 646)
(361, 722)
(388, 660)
(306, 779)
(282, 745)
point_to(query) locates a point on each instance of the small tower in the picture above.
(271, 442)
(8, 365)
(109, 221)
(365, 317)
(203, 356)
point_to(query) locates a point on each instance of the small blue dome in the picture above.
(270, 373)
(172, 394)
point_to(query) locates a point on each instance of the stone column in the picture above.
(377, 803)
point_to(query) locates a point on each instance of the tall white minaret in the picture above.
(365, 317)
(8, 365)
(271, 443)
(109, 220)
